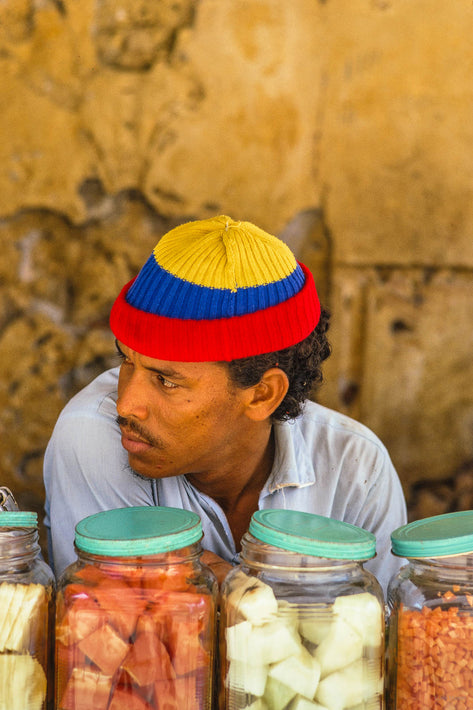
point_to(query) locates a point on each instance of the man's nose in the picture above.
(132, 400)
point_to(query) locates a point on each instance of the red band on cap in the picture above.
(226, 339)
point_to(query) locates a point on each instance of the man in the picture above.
(221, 338)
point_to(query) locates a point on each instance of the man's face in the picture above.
(178, 418)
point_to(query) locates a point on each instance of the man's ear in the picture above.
(267, 394)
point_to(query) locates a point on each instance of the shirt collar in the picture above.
(293, 464)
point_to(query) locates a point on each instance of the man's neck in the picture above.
(238, 488)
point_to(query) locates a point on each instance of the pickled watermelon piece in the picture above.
(105, 648)
(82, 617)
(85, 690)
(127, 700)
(177, 694)
(91, 574)
(123, 605)
(185, 604)
(173, 577)
(68, 657)
(186, 651)
(148, 660)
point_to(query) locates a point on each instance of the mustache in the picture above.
(136, 428)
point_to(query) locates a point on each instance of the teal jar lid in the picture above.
(136, 531)
(311, 534)
(437, 536)
(18, 519)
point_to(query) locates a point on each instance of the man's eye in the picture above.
(122, 357)
(166, 383)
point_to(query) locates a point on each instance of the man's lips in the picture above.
(133, 443)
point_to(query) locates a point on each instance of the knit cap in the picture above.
(216, 290)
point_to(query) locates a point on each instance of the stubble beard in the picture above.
(135, 474)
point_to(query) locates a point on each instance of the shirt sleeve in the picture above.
(85, 471)
(383, 510)
(333, 466)
(369, 494)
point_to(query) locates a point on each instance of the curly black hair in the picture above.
(301, 363)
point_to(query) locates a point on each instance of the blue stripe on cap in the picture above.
(159, 292)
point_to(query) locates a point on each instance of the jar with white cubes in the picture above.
(302, 621)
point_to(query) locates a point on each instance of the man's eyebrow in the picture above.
(173, 374)
(165, 372)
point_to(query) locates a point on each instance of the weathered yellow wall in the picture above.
(344, 126)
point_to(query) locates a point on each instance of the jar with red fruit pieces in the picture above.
(136, 614)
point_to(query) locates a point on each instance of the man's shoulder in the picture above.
(87, 428)
(98, 397)
(319, 421)
(328, 448)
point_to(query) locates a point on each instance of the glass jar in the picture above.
(26, 615)
(136, 614)
(302, 621)
(430, 604)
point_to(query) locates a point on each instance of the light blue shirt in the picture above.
(325, 463)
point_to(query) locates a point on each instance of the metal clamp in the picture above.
(7, 499)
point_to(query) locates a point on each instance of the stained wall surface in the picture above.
(343, 126)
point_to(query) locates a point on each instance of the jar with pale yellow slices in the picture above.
(26, 615)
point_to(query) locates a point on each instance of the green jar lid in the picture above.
(438, 536)
(18, 519)
(130, 532)
(311, 534)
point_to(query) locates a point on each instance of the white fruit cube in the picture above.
(342, 645)
(251, 599)
(300, 703)
(277, 695)
(238, 641)
(315, 629)
(269, 643)
(247, 677)
(349, 687)
(288, 613)
(258, 704)
(365, 614)
(301, 673)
